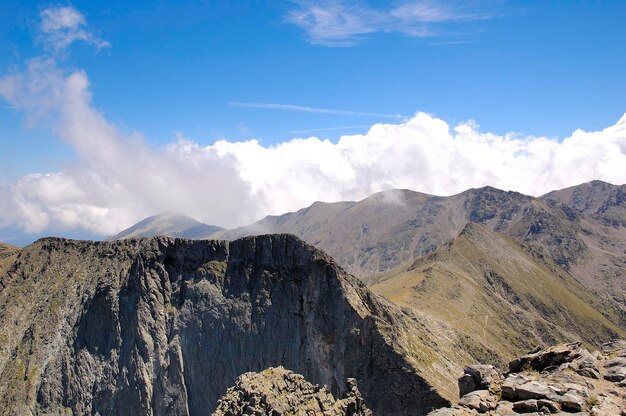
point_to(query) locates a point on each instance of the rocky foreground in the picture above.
(277, 391)
(565, 379)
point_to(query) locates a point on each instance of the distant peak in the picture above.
(174, 224)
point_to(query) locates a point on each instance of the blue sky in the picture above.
(272, 71)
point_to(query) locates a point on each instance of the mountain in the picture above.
(390, 228)
(603, 201)
(170, 224)
(486, 285)
(8, 254)
(162, 326)
(601, 208)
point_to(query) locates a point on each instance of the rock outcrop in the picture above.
(277, 392)
(162, 326)
(557, 380)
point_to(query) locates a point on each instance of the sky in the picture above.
(232, 110)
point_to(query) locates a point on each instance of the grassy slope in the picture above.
(485, 285)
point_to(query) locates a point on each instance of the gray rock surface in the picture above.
(479, 377)
(162, 326)
(560, 388)
(277, 391)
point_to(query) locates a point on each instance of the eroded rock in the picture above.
(277, 391)
(557, 380)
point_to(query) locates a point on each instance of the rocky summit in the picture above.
(163, 326)
(277, 392)
(563, 379)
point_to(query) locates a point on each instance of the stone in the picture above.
(552, 356)
(479, 400)
(479, 377)
(614, 346)
(526, 406)
(574, 386)
(516, 388)
(615, 369)
(277, 391)
(589, 372)
(571, 402)
(548, 405)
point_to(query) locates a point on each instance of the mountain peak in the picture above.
(173, 224)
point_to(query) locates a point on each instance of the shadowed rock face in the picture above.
(163, 326)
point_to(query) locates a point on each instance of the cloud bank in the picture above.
(119, 179)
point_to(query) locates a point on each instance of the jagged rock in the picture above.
(479, 400)
(616, 346)
(615, 369)
(534, 405)
(277, 391)
(540, 359)
(479, 377)
(571, 402)
(557, 389)
(515, 389)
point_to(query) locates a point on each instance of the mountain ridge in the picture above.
(506, 298)
(134, 326)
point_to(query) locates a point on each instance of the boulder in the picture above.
(553, 356)
(615, 369)
(517, 387)
(479, 377)
(479, 400)
(534, 405)
(571, 402)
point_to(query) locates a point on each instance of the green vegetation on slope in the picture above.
(487, 286)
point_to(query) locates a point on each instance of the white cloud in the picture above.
(344, 22)
(61, 26)
(120, 179)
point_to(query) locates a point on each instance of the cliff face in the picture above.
(163, 326)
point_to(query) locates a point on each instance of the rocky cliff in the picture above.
(163, 326)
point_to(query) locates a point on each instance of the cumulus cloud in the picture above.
(344, 22)
(63, 25)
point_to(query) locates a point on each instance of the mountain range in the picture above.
(399, 291)
(578, 230)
